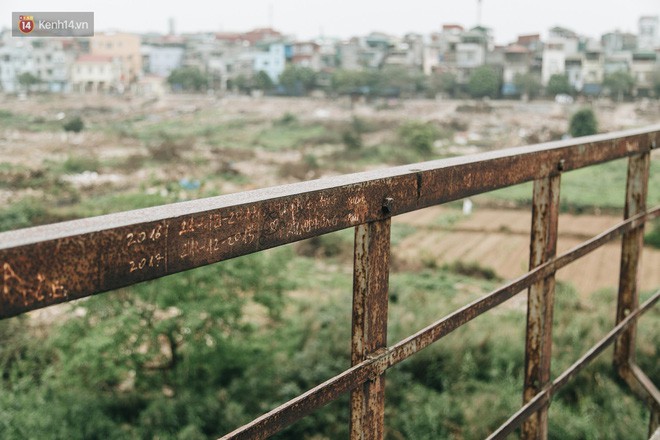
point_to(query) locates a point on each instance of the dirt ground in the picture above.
(499, 239)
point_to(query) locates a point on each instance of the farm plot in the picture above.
(498, 239)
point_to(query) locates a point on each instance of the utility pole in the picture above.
(270, 15)
(478, 12)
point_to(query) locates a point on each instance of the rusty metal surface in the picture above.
(56, 263)
(544, 396)
(540, 301)
(369, 327)
(375, 365)
(652, 392)
(645, 390)
(631, 248)
(628, 297)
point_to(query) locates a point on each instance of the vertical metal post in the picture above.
(628, 298)
(631, 249)
(370, 301)
(540, 302)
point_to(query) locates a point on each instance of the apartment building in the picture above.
(124, 49)
(96, 73)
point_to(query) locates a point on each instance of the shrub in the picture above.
(471, 269)
(559, 84)
(78, 164)
(166, 148)
(418, 135)
(583, 123)
(652, 238)
(187, 78)
(22, 214)
(75, 125)
(352, 135)
(484, 81)
(352, 140)
(287, 118)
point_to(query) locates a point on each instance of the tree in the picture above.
(262, 81)
(559, 84)
(583, 123)
(655, 79)
(527, 84)
(418, 135)
(444, 82)
(483, 81)
(297, 80)
(187, 78)
(395, 80)
(350, 81)
(619, 83)
(75, 125)
(27, 80)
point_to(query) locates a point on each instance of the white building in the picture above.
(573, 65)
(161, 60)
(642, 69)
(593, 72)
(16, 58)
(649, 33)
(349, 55)
(272, 60)
(52, 64)
(96, 73)
(554, 60)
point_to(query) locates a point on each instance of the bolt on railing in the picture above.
(57, 263)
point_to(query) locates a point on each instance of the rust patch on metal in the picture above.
(369, 332)
(540, 302)
(631, 248)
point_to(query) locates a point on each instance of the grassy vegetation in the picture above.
(197, 354)
(25, 122)
(600, 186)
(652, 237)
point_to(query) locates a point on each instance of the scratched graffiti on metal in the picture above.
(29, 291)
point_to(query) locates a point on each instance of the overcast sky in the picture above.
(345, 18)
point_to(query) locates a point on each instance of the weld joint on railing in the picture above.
(378, 362)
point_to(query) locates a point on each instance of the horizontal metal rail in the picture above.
(55, 263)
(295, 409)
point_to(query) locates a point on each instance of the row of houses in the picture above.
(120, 62)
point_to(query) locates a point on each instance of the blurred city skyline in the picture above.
(343, 19)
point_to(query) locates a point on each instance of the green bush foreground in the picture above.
(194, 355)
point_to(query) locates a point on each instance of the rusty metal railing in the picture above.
(51, 264)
